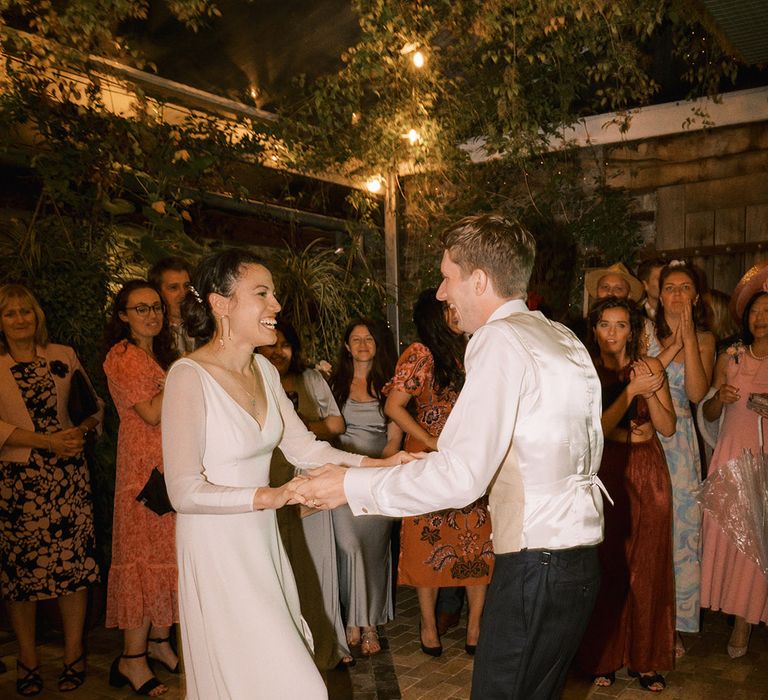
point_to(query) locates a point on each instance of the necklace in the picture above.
(252, 396)
(756, 357)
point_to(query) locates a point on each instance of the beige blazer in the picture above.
(13, 411)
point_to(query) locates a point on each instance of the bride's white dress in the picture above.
(242, 634)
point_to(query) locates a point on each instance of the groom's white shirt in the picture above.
(527, 423)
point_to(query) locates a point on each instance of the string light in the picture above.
(412, 136)
(418, 59)
(374, 185)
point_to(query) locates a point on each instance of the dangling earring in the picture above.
(229, 328)
(221, 332)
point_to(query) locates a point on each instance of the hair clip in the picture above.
(676, 263)
(197, 295)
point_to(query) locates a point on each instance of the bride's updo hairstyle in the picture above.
(216, 273)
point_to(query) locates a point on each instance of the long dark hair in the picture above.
(746, 335)
(447, 347)
(699, 309)
(216, 273)
(383, 362)
(636, 323)
(296, 365)
(117, 330)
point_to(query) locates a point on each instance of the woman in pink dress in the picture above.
(142, 589)
(731, 581)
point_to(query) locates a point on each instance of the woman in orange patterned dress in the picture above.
(142, 590)
(450, 547)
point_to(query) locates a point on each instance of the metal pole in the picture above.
(391, 255)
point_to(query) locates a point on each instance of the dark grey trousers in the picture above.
(538, 607)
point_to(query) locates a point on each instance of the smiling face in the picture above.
(677, 291)
(612, 331)
(758, 318)
(174, 284)
(458, 291)
(252, 308)
(18, 321)
(361, 344)
(280, 354)
(147, 325)
(612, 285)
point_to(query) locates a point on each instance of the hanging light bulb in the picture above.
(413, 136)
(374, 185)
(418, 59)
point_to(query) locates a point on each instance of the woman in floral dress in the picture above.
(451, 547)
(142, 590)
(687, 351)
(47, 547)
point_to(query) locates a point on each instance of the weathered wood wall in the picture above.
(705, 195)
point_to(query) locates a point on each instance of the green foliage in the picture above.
(513, 72)
(577, 222)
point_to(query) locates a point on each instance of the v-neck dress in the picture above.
(241, 627)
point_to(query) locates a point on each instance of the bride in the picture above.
(224, 412)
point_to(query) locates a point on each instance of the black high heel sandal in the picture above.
(118, 680)
(31, 684)
(70, 679)
(160, 640)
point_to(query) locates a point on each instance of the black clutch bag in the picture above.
(82, 401)
(154, 495)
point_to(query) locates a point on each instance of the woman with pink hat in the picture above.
(732, 578)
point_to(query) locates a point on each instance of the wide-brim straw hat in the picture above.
(594, 276)
(753, 281)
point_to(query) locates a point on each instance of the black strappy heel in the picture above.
(70, 678)
(118, 680)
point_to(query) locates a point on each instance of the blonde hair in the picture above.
(9, 292)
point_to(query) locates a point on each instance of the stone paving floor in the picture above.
(403, 671)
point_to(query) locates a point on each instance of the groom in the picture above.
(527, 423)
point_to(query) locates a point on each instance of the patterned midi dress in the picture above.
(448, 547)
(47, 545)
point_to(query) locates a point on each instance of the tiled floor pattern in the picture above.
(402, 671)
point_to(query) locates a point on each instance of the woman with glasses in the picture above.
(142, 590)
(47, 548)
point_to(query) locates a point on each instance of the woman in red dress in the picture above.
(450, 547)
(633, 622)
(142, 589)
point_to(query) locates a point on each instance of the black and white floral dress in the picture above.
(47, 546)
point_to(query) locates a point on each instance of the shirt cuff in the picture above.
(357, 489)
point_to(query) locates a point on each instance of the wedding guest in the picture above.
(171, 277)
(452, 547)
(142, 589)
(684, 346)
(364, 365)
(47, 547)
(224, 413)
(731, 580)
(308, 535)
(613, 281)
(648, 273)
(633, 622)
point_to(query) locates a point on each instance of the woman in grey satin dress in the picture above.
(365, 364)
(307, 534)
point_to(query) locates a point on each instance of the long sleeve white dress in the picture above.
(241, 628)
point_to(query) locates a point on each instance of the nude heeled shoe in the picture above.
(737, 652)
